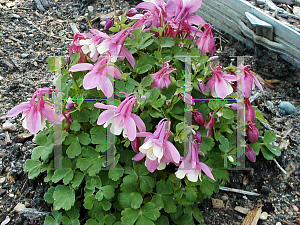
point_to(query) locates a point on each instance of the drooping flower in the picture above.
(209, 125)
(198, 137)
(156, 148)
(70, 103)
(121, 118)
(206, 42)
(97, 77)
(131, 12)
(114, 45)
(198, 117)
(35, 113)
(247, 79)
(162, 77)
(187, 98)
(249, 111)
(250, 153)
(202, 86)
(109, 22)
(191, 167)
(218, 83)
(252, 132)
(75, 46)
(135, 144)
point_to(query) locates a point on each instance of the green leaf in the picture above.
(167, 42)
(207, 144)
(256, 147)
(274, 149)
(142, 220)
(75, 126)
(64, 197)
(41, 139)
(158, 201)
(155, 114)
(81, 116)
(106, 205)
(191, 193)
(49, 195)
(74, 149)
(43, 152)
(129, 216)
(32, 167)
(163, 220)
(109, 219)
(147, 81)
(133, 199)
(215, 104)
(116, 173)
(169, 204)
(228, 113)
(66, 173)
(90, 161)
(75, 57)
(98, 135)
(146, 44)
(144, 69)
(146, 184)
(84, 138)
(50, 221)
(77, 179)
(164, 188)
(269, 137)
(149, 210)
(108, 191)
(259, 116)
(267, 153)
(224, 146)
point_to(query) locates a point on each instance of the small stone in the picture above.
(9, 126)
(295, 208)
(245, 197)
(27, 204)
(15, 16)
(217, 203)
(242, 210)
(2, 191)
(2, 180)
(224, 197)
(265, 190)
(35, 64)
(298, 221)
(278, 223)
(19, 207)
(11, 195)
(21, 138)
(263, 216)
(296, 10)
(287, 108)
(91, 9)
(24, 55)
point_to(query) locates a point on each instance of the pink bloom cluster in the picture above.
(176, 14)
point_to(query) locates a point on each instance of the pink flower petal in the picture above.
(171, 152)
(18, 109)
(130, 127)
(128, 55)
(114, 72)
(139, 156)
(106, 86)
(221, 88)
(248, 86)
(91, 80)
(139, 123)
(81, 67)
(207, 170)
(195, 19)
(34, 121)
(151, 165)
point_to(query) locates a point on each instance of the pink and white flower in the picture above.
(121, 118)
(206, 42)
(97, 77)
(191, 167)
(219, 83)
(157, 149)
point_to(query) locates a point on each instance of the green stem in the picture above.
(77, 86)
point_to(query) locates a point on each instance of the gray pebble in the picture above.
(24, 55)
(15, 16)
(287, 108)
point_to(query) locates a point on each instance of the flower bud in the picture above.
(252, 132)
(148, 23)
(135, 144)
(250, 153)
(109, 23)
(202, 87)
(249, 111)
(70, 104)
(198, 117)
(198, 137)
(131, 12)
(213, 58)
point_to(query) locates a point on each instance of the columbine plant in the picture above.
(129, 153)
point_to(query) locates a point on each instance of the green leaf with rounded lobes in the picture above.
(74, 149)
(32, 167)
(64, 197)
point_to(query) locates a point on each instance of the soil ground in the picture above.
(30, 37)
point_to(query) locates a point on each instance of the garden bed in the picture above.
(30, 37)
